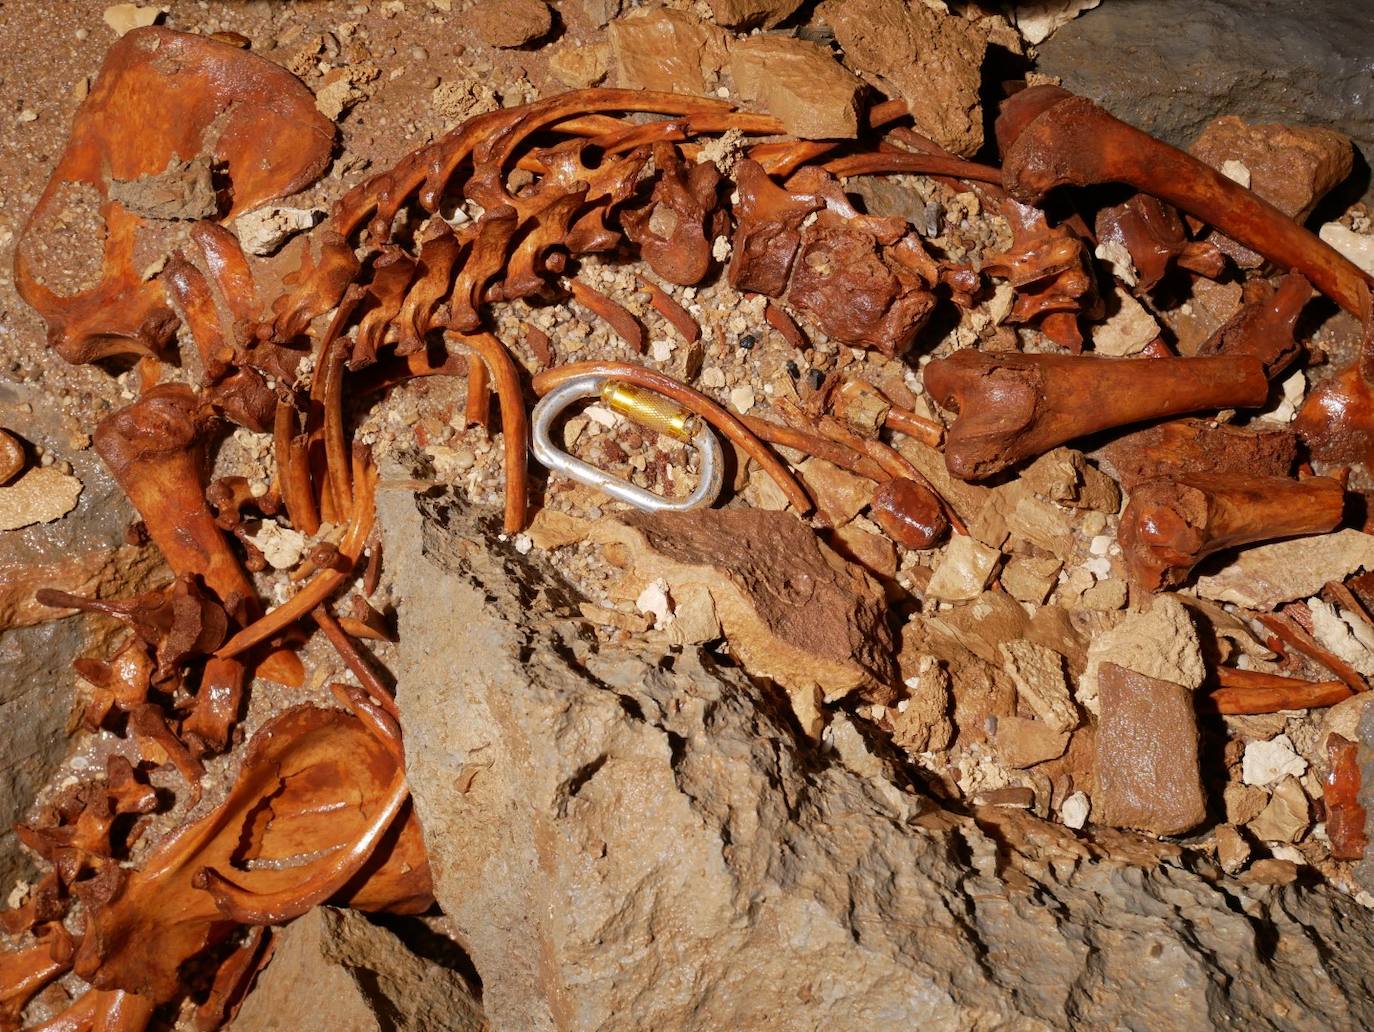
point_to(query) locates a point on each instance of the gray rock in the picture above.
(628, 840)
(1170, 66)
(36, 679)
(336, 970)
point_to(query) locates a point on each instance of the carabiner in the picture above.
(648, 409)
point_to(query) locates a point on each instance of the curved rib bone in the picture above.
(1014, 406)
(1171, 525)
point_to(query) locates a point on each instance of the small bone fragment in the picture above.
(1183, 447)
(11, 457)
(1146, 765)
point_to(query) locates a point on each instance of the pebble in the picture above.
(1074, 810)
(1267, 762)
(742, 398)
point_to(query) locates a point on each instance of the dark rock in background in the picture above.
(1170, 66)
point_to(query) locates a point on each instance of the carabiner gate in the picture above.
(650, 410)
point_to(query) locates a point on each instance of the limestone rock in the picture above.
(1290, 166)
(963, 571)
(1161, 643)
(1022, 742)
(1030, 578)
(792, 610)
(1358, 247)
(921, 722)
(628, 841)
(510, 23)
(799, 83)
(930, 59)
(1127, 330)
(1171, 66)
(41, 495)
(1146, 769)
(662, 49)
(1038, 674)
(1264, 576)
(122, 18)
(874, 552)
(1232, 849)
(99, 573)
(1286, 817)
(578, 65)
(838, 493)
(751, 14)
(358, 977)
(1267, 761)
(1038, 20)
(1065, 476)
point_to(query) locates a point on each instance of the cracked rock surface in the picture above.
(625, 841)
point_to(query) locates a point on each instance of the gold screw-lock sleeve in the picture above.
(650, 410)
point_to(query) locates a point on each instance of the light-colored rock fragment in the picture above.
(1345, 635)
(1236, 171)
(1160, 642)
(1267, 761)
(1358, 247)
(281, 546)
(361, 978)
(41, 495)
(1287, 816)
(920, 722)
(1066, 477)
(791, 608)
(1033, 519)
(553, 529)
(799, 83)
(1127, 330)
(654, 601)
(931, 59)
(1022, 742)
(578, 65)
(1030, 578)
(963, 571)
(1038, 674)
(838, 493)
(662, 49)
(263, 230)
(1146, 769)
(123, 17)
(1233, 852)
(1264, 576)
(1105, 596)
(1036, 21)
(742, 398)
(1075, 809)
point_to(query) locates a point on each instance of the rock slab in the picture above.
(626, 839)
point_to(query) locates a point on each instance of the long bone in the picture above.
(1048, 138)
(1170, 525)
(1014, 406)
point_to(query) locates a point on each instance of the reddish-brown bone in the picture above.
(242, 111)
(1014, 406)
(1171, 525)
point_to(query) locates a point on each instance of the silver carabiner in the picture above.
(650, 410)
